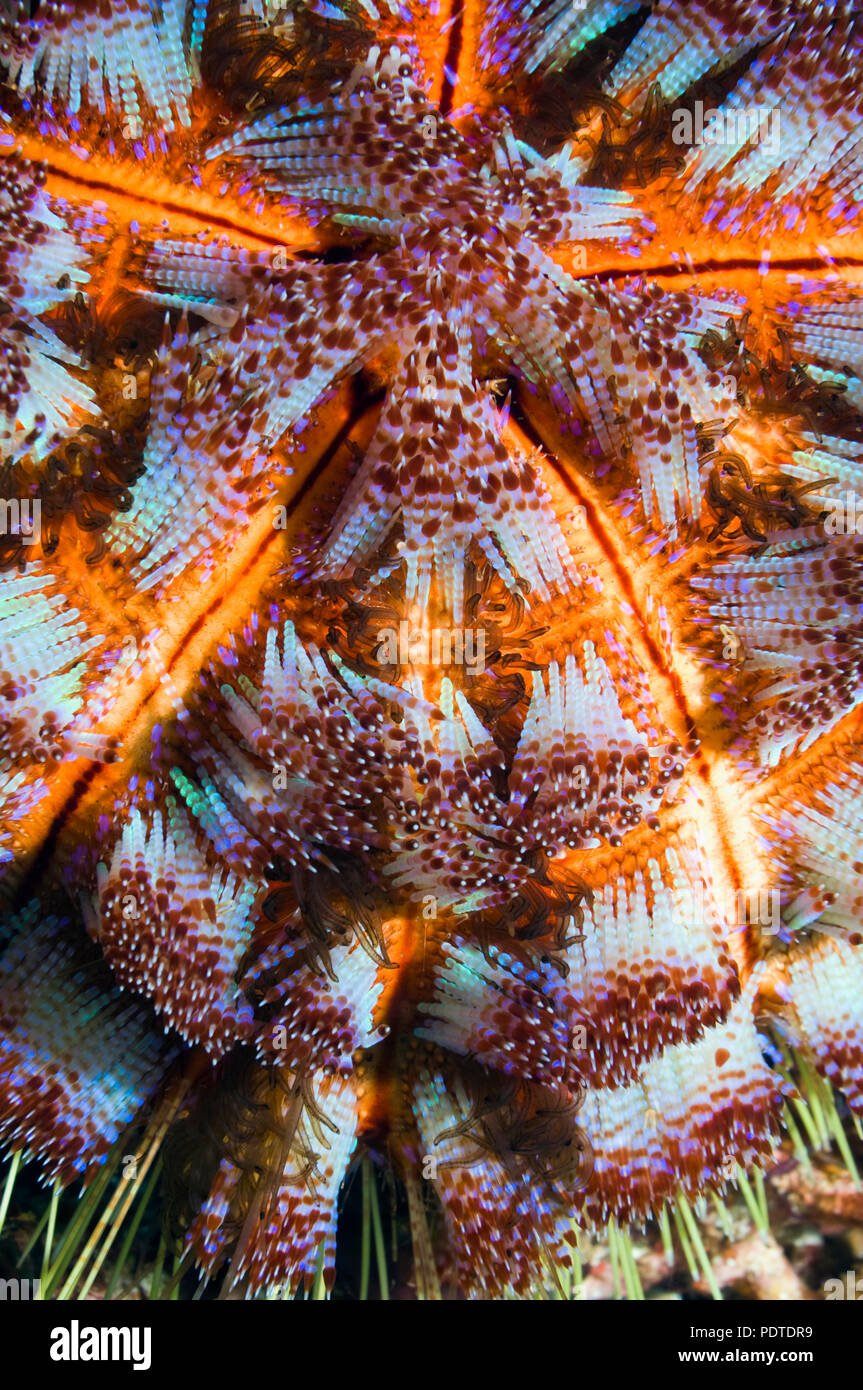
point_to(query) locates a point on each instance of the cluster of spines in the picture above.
(108, 56)
(648, 969)
(543, 34)
(805, 77)
(504, 1225)
(42, 643)
(582, 773)
(817, 840)
(826, 328)
(78, 1061)
(499, 290)
(796, 610)
(287, 1233)
(694, 1111)
(39, 397)
(321, 1022)
(219, 424)
(825, 983)
(172, 931)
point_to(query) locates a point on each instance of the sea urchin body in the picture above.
(430, 611)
